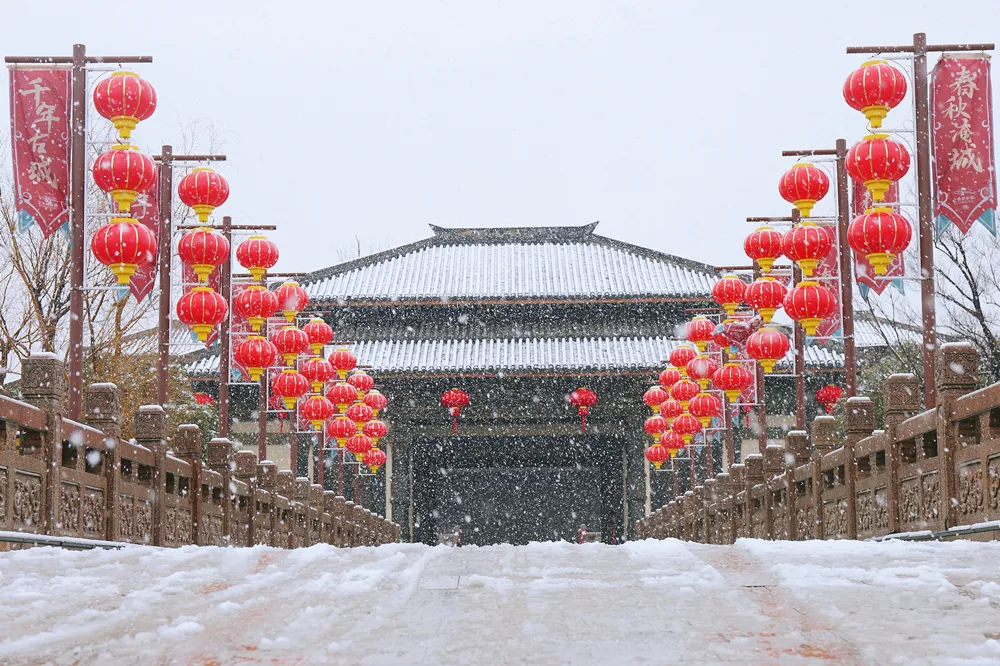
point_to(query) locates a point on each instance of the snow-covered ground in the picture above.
(652, 602)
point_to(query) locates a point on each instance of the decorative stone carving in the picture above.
(970, 490)
(143, 522)
(3, 495)
(993, 474)
(835, 518)
(931, 497)
(126, 518)
(909, 501)
(805, 523)
(93, 512)
(69, 507)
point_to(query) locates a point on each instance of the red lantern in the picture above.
(316, 409)
(376, 430)
(255, 354)
(362, 381)
(121, 245)
(683, 391)
(125, 173)
(256, 303)
(699, 331)
(879, 235)
(202, 309)
(317, 371)
(292, 299)
(343, 361)
(672, 442)
(809, 303)
(764, 245)
(340, 428)
(733, 333)
(803, 185)
(374, 459)
(359, 444)
(291, 342)
(670, 409)
(701, 369)
(290, 386)
(454, 399)
(829, 396)
(680, 357)
(733, 378)
(877, 161)
(768, 346)
(374, 399)
(728, 292)
(687, 426)
(705, 407)
(204, 399)
(257, 254)
(125, 100)
(874, 89)
(806, 244)
(203, 190)
(765, 295)
(653, 397)
(360, 413)
(583, 399)
(656, 425)
(342, 395)
(203, 250)
(669, 376)
(657, 454)
(320, 334)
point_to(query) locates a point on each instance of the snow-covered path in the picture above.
(645, 602)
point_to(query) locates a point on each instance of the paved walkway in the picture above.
(642, 603)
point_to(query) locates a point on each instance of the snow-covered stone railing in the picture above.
(931, 471)
(81, 480)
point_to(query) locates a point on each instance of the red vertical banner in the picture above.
(40, 138)
(965, 188)
(146, 209)
(861, 200)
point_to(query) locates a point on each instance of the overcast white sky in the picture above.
(663, 120)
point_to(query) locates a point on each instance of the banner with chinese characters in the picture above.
(965, 189)
(861, 200)
(40, 138)
(146, 209)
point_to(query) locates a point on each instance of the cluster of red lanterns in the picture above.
(125, 173)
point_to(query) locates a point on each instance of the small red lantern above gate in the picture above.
(373, 459)
(292, 299)
(733, 379)
(583, 399)
(657, 454)
(359, 444)
(121, 245)
(455, 399)
(877, 162)
(670, 409)
(374, 399)
(343, 361)
(125, 99)
(701, 369)
(124, 173)
(203, 190)
(257, 254)
(340, 429)
(705, 407)
(203, 250)
(362, 381)
(289, 385)
(316, 409)
(376, 430)
(360, 413)
(829, 396)
(318, 372)
(320, 334)
(669, 376)
(768, 346)
(806, 244)
(256, 303)
(764, 245)
(803, 185)
(672, 442)
(879, 235)
(874, 89)
(809, 303)
(654, 396)
(681, 356)
(656, 425)
(765, 296)
(699, 331)
(255, 354)
(729, 292)
(683, 391)
(342, 395)
(202, 309)
(291, 342)
(687, 426)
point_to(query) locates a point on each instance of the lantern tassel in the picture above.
(583, 422)
(454, 425)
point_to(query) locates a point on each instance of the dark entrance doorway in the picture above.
(509, 489)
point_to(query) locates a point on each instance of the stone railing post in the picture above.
(245, 469)
(102, 409)
(956, 372)
(300, 491)
(219, 458)
(710, 497)
(42, 385)
(774, 466)
(754, 464)
(724, 500)
(825, 436)
(737, 484)
(901, 401)
(150, 427)
(187, 445)
(797, 448)
(859, 422)
(267, 479)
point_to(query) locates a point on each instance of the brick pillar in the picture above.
(859, 422)
(901, 401)
(219, 458)
(42, 385)
(150, 427)
(957, 373)
(187, 445)
(102, 409)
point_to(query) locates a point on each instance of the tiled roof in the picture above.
(511, 264)
(533, 355)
